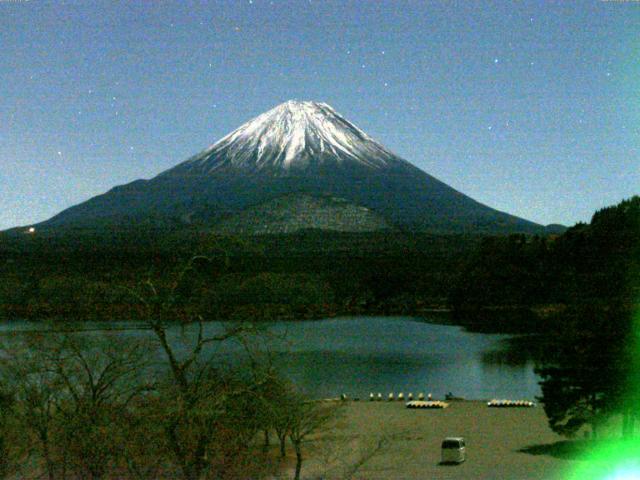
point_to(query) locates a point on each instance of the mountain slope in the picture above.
(297, 147)
(292, 213)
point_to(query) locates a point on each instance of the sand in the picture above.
(411, 450)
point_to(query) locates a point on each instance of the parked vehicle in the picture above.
(453, 450)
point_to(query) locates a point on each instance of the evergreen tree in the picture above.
(585, 368)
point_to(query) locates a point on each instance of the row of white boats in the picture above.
(400, 397)
(510, 403)
(428, 402)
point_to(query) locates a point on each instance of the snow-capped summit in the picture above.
(292, 136)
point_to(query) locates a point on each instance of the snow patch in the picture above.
(293, 135)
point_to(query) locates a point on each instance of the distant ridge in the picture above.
(296, 148)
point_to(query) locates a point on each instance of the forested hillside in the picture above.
(590, 264)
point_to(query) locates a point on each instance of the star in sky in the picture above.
(517, 53)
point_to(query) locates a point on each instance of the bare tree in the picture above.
(344, 456)
(73, 391)
(198, 404)
(38, 390)
(7, 404)
(307, 418)
(364, 456)
(194, 395)
(101, 377)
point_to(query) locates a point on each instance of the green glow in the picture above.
(610, 460)
(615, 459)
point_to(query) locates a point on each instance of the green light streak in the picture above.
(610, 460)
(616, 459)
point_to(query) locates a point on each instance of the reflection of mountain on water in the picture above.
(511, 320)
(517, 351)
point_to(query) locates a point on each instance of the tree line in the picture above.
(80, 276)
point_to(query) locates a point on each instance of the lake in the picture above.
(359, 355)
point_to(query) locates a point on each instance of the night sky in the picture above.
(529, 107)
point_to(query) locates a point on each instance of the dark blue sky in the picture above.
(529, 107)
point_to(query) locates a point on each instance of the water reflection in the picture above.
(517, 351)
(360, 355)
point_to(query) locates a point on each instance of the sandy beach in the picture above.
(383, 440)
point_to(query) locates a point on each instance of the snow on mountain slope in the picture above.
(292, 136)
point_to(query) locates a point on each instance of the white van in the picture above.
(453, 450)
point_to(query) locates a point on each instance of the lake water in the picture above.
(360, 355)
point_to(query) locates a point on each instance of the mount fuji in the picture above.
(298, 166)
